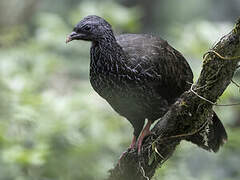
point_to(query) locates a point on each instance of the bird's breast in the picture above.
(108, 83)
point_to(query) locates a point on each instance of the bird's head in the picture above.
(91, 28)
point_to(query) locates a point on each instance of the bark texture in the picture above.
(187, 115)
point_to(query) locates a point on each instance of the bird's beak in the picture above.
(68, 39)
(73, 36)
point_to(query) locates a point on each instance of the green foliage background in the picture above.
(53, 126)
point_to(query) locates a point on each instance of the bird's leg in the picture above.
(132, 145)
(144, 133)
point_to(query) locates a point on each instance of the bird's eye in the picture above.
(87, 28)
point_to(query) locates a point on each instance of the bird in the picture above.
(140, 76)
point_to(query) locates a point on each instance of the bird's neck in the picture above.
(107, 55)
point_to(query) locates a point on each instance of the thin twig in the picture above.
(156, 150)
(220, 56)
(236, 84)
(187, 134)
(201, 97)
(233, 104)
(142, 171)
(215, 104)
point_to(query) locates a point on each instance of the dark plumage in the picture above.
(139, 75)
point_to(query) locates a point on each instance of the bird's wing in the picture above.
(155, 57)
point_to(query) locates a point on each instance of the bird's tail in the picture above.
(210, 137)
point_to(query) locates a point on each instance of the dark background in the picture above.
(53, 126)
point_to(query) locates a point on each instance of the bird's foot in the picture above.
(134, 140)
(122, 155)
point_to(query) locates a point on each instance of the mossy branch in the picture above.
(187, 115)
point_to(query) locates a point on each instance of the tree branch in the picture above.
(187, 115)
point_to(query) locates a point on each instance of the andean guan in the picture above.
(140, 76)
